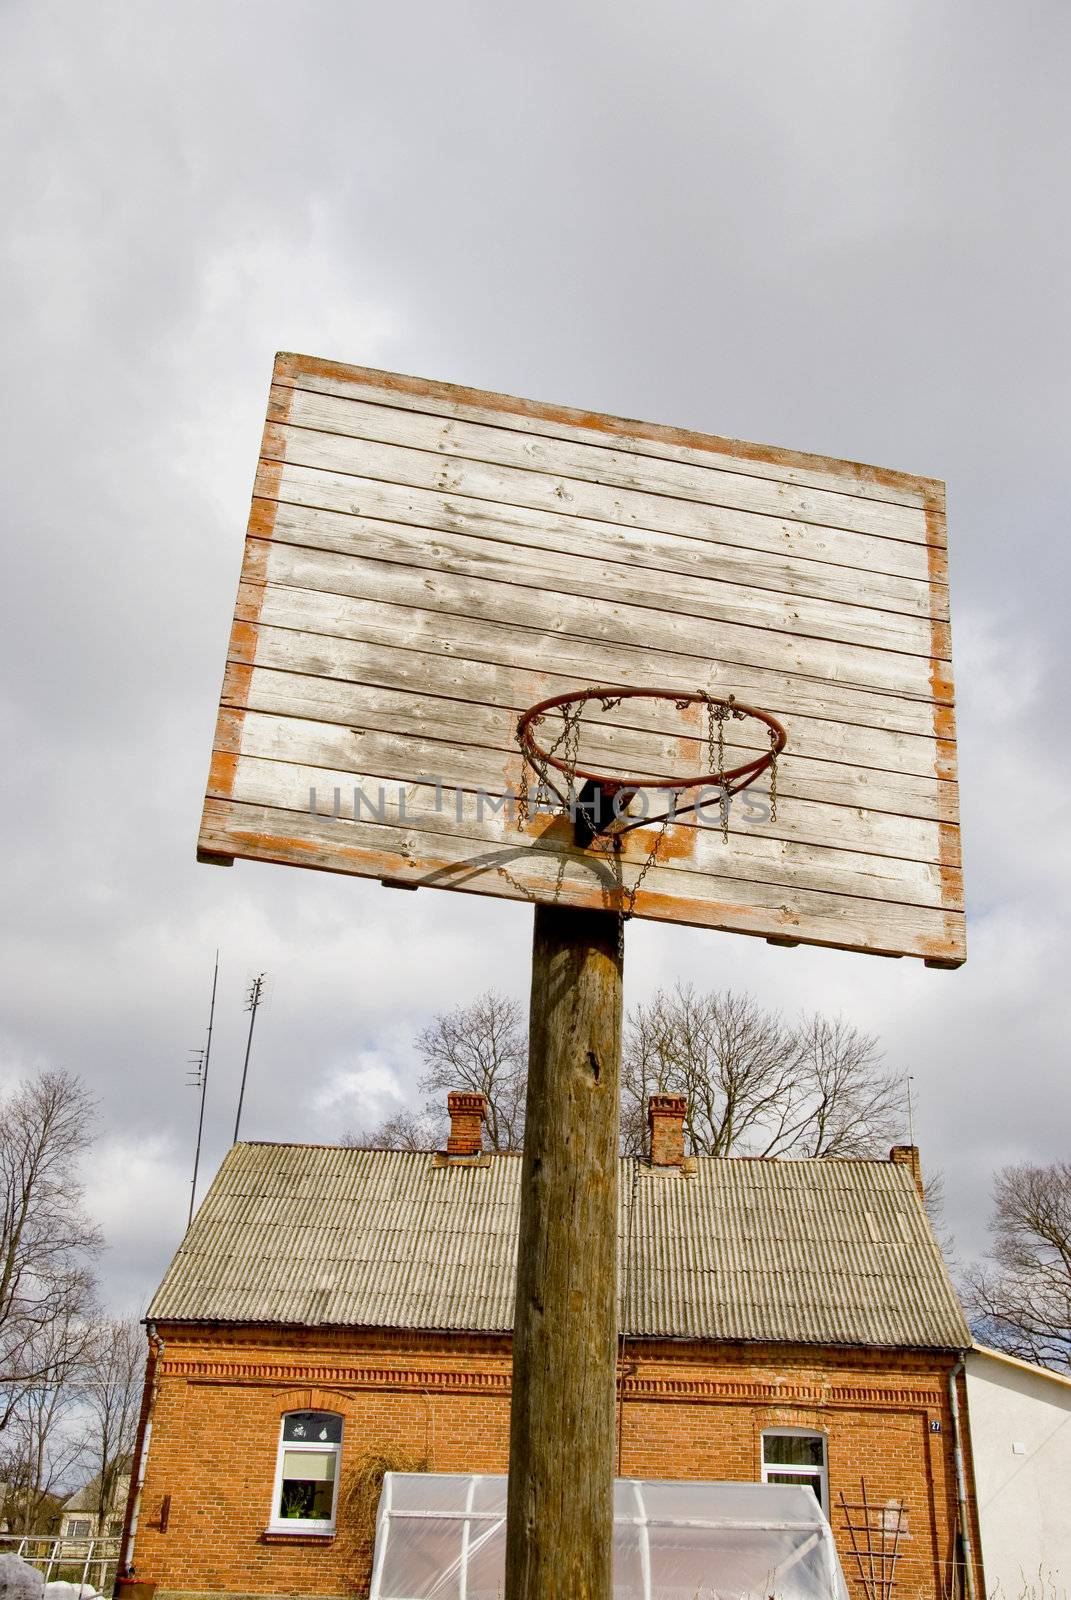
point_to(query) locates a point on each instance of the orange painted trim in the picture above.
(295, 1383)
(242, 647)
(223, 831)
(290, 367)
(945, 760)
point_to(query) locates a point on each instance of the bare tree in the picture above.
(733, 1062)
(482, 1047)
(754, 1085)
(934, 1203)
(42, 1445)
(847, 1103)
(403, 1131)
(113, 1371)
(46, 1239)
(1021, 1296)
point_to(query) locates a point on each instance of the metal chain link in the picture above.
(773, 776)
(570, 739)
(652, 856)
(621, 917)
(717, 711)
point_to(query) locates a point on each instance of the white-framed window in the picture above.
(79, 1528)
(306, 1473)
(795, 1455)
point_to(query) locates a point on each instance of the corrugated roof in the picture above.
(816, 1252)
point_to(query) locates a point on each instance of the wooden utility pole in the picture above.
(561, 1469)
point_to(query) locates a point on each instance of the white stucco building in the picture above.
(1020, 1426)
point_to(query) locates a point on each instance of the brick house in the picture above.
(331, 1308)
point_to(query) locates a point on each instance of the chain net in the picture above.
(608, 839)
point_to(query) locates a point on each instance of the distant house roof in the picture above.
(85, 1498)
(1031, 1367)
(813, 1252)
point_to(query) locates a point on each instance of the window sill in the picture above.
(281, 1535)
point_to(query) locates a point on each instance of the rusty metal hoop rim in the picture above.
(733, 779)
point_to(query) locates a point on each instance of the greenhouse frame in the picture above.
(442, 1536)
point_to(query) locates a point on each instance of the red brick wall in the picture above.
(688, 1411)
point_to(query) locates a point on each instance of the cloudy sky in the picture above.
(840, 227)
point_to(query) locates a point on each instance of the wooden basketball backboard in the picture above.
(424, 562)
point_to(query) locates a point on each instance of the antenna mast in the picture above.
(253, 999)
(199, 1062)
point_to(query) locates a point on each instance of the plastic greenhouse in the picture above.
(442, 1536)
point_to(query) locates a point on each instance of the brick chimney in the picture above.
(468, 1113)
(907, 1155)
(665, 1118)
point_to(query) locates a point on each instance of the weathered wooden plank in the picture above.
(643, 745)
(521, 872)
(416, 757)
(620, 623)
(571, 464)
(749, 853)
(351, 471)
(821, 749)
(604, 577)
(485, 642)
(642, 438)
(915, 592)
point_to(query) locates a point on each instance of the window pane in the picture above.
(798, 1480)
(308, 1465)
(799, 1450)
(308, 1484)
(312, 1427)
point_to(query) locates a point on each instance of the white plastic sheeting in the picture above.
(19, 1580)
(442, 1536)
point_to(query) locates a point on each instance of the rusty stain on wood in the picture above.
(944, 723)
(221, 773)
(236, 681)
(243, 644)
(262, 518)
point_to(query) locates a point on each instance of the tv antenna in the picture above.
(252, 1001)
(197, 1078)
(910, 1110)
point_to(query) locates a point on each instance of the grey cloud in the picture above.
(832, 227)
